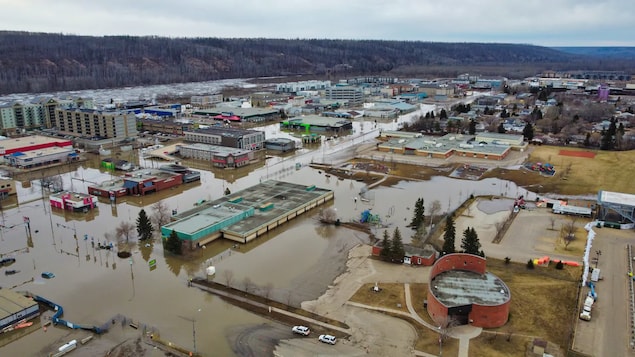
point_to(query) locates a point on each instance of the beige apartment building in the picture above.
(96, 124)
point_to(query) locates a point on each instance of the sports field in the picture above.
(578, 171)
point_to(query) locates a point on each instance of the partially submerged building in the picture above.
(15, 307)
(245, 215)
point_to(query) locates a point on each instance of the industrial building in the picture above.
(245, 215)
(15, 307)
(461, 289)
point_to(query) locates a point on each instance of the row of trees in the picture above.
(469, 244)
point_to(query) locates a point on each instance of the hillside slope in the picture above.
(37, 62)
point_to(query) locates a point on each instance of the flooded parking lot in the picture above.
(297, 260)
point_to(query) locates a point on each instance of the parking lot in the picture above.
(530, 236)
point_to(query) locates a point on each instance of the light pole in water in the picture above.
(193, 320)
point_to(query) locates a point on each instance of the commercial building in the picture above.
(73, 201)
(280, 144)
(302, 86)
(7, 187)
(347, 93)
(96, 124)
(36, 150)
(206, 101)
(230, 137)
(139, 182)
(310, 123)
(461, 290)
(245, 215)
(15, 307)
(239, 114)
(219, 156)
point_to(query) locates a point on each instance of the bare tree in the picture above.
(289, 296)
(552, 220)
(266, 290)
(124, 230)
(160, 214)
(228, 276)
(249, 285)
(328, 215)
(435, 208)
(567, 232)
(510, 333)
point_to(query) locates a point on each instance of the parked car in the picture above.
(301, 330)
(48, 275)
(327, 339)
(6, 261)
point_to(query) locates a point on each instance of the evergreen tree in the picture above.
(397, 251)
(472, 129)
(173, 243)
(449, 236)
(418, 216)
(385, 243)
(587, 140)
(528, 131)
(470, 243)
(443, 114)
(501, 128)
(144, 226)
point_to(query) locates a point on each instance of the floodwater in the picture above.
(94, 285)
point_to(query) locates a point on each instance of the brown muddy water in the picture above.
(298, 260)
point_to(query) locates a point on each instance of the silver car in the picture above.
(327, 339)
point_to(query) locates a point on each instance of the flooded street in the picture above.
(94, 285)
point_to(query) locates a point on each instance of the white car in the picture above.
(327, 339)
(301, 330)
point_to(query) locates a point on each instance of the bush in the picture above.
(530, 264)
(560, 265)
(507, 260)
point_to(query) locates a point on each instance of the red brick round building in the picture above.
(461, 290)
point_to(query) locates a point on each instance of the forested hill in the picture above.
(39, 62)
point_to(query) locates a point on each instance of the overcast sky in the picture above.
(538, 22)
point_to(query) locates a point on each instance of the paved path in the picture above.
(271, 308)
(462, 333)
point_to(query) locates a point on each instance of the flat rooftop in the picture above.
(461, 287)
(284, 197)
(616, 197)
(317, 120)
(26, 141)
(217, 149)
(12, 303)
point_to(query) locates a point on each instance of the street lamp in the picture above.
(193, 320)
